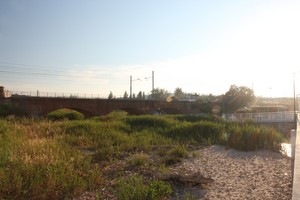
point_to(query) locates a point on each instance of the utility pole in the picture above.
(130, 96)
(152, 77)
(131, 86)
(152, 81)
(295, 114)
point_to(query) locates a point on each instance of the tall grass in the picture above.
(42, 168)
(43, 159)
(244, 136)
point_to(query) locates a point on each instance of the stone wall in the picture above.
(41, 106)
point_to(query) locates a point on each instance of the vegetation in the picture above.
(236, 98)
(136, 187)
(8, 109)
(63, 159)
(250, 137)
(111, 95)
(159, 94)
(65, 114)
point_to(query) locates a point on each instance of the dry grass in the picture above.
(43, 159)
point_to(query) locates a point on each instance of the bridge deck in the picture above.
(296, 175)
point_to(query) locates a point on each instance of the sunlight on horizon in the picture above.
(258, 49)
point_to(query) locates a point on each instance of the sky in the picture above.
(204, 47)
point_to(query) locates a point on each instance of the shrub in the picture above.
(62, 114)
(7, 110)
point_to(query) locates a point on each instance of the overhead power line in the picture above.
(39, 70)
(45, 74)
(43, 67)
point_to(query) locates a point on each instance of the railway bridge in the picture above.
(41, 106)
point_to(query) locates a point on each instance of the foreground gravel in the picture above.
(238, 175)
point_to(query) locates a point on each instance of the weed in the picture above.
(175, 155)
(138, 159)
(136, 188)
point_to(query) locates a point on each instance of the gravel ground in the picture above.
(238, 175)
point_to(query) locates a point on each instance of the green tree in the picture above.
(178, 93)
(206, 103)
(236, 98)
(144, 96)
(125, 96)
(159, 94)
(111, 95)
(140, 95)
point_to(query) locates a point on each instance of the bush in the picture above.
(7, 110)
(62, 114)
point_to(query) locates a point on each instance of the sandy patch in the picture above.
(239, 175)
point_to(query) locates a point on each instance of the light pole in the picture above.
(295, 114)
(131, 86)
(152, 81)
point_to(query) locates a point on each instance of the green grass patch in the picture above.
(136, 187)
(63, 114)
(138, 159)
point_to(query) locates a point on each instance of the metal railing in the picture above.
(285, 116)
(59, 94)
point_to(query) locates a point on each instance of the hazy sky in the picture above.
(200, 46)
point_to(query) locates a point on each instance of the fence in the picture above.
(286, 116)
(59, 94)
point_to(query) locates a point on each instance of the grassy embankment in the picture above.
(110, 156)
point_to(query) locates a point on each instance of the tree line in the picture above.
(237, 97)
